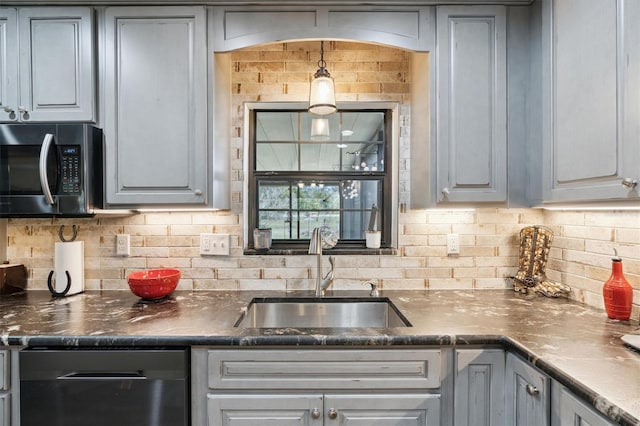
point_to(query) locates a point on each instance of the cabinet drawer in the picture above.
(324, 369)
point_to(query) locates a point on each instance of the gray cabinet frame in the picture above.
(47, 62)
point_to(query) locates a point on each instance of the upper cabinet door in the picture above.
(8, 65)
(56, 64)
(156, 105)
(471, 103)
(591, 96)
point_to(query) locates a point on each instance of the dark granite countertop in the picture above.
(575, 344)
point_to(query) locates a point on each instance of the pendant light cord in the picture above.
(322, 64)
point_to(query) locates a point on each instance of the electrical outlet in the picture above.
(123, 245)
(453, 244)
(215, 244)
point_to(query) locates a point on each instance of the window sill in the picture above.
(340, 251)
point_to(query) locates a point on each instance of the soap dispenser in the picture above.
(617, 292)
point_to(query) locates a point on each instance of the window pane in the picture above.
(273, 195)
(363, 126)
(276, 157)
(319, 157)
(282, 227)
(276, 126)
(362, 157)
(361, 194)
(319, 196)
(316, 219)
(359, 197)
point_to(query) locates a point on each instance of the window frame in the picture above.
(388, 177)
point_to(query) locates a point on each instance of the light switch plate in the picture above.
(123, 245)
(215, 244)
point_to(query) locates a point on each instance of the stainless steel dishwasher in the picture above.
(104, 387)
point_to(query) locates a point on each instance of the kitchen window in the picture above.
(337, 178)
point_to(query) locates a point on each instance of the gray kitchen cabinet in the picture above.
(479, 387)
(384, 409)
(567, 409)
(316, 386)
(590, 99)
(323, 409)
(46, 64)
(5, 396)
(5, 411)
(264, 409)
(9, 408)
(156, 106)
(471, 141)
(527, 394)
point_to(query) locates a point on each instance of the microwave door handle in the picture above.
(44, 155)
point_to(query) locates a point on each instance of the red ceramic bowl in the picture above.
(153, 283)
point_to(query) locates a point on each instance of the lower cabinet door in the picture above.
(567, 409)
(479, 387)
(382, 410)
(264, 410)
(527, 394)
(330, 410)
(5, 399)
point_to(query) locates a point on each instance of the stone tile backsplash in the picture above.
(580, 255)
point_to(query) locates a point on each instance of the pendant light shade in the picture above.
(320, 129)
(322, 96)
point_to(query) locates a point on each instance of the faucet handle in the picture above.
(374, 288)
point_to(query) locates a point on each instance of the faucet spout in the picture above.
(315, 247)
(315, 243)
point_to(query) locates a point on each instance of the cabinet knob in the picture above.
(24, 112)
(315, 413)
(626, 182)
(532, 390)
(8, 109)
(333, 414)
(198, 192)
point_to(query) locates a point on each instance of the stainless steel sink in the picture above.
(326, 312)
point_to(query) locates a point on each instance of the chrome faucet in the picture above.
(315, 247)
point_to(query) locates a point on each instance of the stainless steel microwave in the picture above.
(50, 170)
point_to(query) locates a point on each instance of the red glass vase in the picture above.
(617, 293)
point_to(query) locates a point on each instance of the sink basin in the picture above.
(326, 312)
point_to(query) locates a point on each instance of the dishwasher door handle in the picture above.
(103, 375)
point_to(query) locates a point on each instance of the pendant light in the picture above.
(322, 96)
(320, 129)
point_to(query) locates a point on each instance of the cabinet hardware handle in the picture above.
(532, 390)
(8, 109)
(25, 113)
(626, 182)
(333, 414)
(315, 413)
(198, 192)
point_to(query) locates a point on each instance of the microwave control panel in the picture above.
(70, 163)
